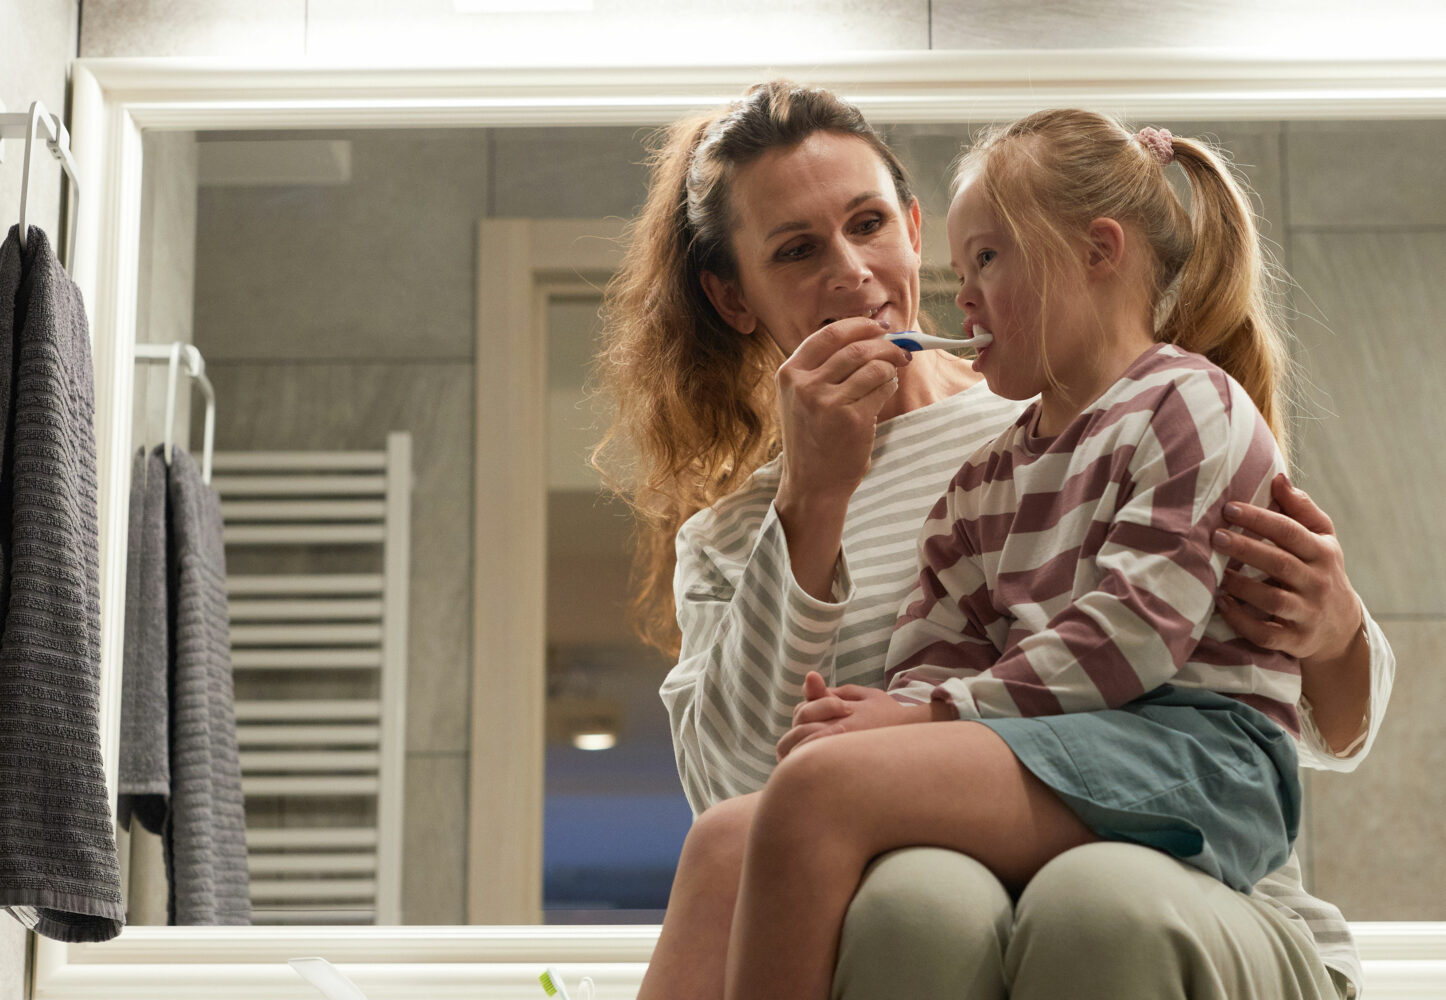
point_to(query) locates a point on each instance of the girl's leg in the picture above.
(689, 958)
(833, 805)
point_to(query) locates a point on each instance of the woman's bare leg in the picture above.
(689, 958)
(833, 805)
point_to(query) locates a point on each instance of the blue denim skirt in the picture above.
(1193, 773)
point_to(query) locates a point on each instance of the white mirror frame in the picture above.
(114, 100)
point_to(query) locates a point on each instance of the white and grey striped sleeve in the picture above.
(1313, 749)
(750, 635)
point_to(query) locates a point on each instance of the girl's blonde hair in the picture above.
(1047, 176)
(693, 405)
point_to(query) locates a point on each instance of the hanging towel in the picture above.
(206, 832)
(145, 756)
(58, 866)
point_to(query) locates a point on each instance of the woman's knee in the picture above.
(1119, 892)
(925, 922)
(718, 836)
(1110, 915)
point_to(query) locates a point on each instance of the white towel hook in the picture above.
(174, 354)
(30, 125)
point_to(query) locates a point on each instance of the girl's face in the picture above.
(820, 236)
(996, 292)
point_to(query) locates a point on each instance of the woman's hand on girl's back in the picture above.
(1307, 607)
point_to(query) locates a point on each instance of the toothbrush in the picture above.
(551, 981)
(327, 979)
(913, 340)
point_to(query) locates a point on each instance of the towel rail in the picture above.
(174, 354)
(31, 125)
(316, 761)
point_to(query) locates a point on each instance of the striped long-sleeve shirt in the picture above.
(1075, 572)
(750, 633)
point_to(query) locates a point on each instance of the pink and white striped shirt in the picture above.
(1075, 573)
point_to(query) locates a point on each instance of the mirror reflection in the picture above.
(329, 280)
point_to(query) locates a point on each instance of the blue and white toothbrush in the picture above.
(913, 340)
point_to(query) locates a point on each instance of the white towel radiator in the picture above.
(321, 660)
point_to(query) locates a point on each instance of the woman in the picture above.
(780, 238)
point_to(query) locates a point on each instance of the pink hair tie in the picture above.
(1159, 142)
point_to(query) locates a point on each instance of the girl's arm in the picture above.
(1308, 608)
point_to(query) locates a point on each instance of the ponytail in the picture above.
(1221, 305)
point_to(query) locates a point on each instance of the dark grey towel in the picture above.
(145, 755)
(58, 865)
(206, 832)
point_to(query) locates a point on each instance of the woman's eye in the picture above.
(985, 256)
(870, 225)
(794, 251)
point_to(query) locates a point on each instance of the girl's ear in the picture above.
(728, 299)
(1106, 246)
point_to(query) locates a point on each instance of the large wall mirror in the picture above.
(358, 254)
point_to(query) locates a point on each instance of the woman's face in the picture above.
(820, 236)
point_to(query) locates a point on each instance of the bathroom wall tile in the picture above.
(434, 840)
(34, 71)
(562, 173)
(1376, 832)
(381, 267)
(618, 28)
(1285, 26)
(306, 406)
(1367, 174)
(1368, 448)
(13, 967)
(236, 28)
(165, 284)
(998, 24)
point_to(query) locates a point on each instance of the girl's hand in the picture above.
(829, 711)
(1307, 607)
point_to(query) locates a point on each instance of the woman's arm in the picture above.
(750, 636)
(1308, 608)
(762, 584)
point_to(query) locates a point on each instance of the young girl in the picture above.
(1067, 576)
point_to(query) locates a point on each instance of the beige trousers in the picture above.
(1106, 921)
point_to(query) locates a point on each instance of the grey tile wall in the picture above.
(1371, 303)
(435, 835)
(1377, 832)
(1367, 248)
(34, 71)
(1366, 175)
(237, 28)
(691, 29)
(382, 267)
(14, 959)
